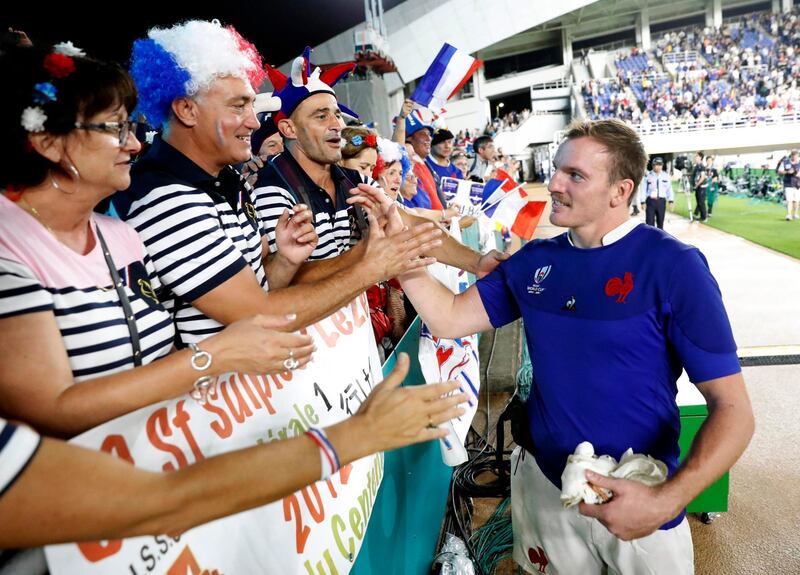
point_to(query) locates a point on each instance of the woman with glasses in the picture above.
(81, 326)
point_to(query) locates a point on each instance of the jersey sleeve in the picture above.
(699, 329)
(183, 234)
(20, 290)
(497, 297)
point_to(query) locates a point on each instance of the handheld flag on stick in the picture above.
(519, 214)
(448, 72)
(497, 188)
(506, 203)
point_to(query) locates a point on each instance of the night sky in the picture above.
(279, 30)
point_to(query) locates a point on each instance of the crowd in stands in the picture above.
(509, 121)
(748, 68)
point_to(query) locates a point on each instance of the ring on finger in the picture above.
(290, 363)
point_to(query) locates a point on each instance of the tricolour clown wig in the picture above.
(389, 152)
(185, 59)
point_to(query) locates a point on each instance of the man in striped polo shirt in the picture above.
(310, 121)
(194, 211)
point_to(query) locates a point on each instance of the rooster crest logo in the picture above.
(620, 287)
(538, 558)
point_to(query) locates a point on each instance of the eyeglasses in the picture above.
(122, 129)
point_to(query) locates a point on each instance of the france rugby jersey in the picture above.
(609, 331)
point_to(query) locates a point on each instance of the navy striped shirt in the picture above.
(199, 230)
(335, 224)
(40, 274)
(18, 445)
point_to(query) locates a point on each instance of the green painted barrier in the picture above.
(409, 509)
(408, 512)
(715, 498)
(410, 506)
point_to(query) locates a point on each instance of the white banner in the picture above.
(466, 193)
(452, 360)
(317, 530)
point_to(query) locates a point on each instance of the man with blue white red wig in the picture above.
(195, 212)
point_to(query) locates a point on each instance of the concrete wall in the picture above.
(537, 129)
(758, 137)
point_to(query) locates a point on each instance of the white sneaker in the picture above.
(788, 218)
(796, 217)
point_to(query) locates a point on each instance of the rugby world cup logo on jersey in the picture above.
(538, 277)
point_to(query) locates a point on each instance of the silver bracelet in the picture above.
(201, 361)
(198, 356)
(200, 388)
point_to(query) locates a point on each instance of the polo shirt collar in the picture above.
(187, 171)
(340, 179)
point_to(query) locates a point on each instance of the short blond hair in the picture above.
(627, 158)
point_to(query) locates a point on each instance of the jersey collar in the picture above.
(614, 235)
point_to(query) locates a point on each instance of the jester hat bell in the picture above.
(303, 83)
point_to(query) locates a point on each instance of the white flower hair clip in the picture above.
(58, 63)
(33, 119)
(68, 49)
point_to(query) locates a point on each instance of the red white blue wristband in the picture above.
(327, 454)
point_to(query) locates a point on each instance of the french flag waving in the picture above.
(448, 72)
(505, 202)
(496, 189)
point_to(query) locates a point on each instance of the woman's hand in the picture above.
(387, 256)
(258, 345)
(250, 169)
(376, 202)
(450, 213)
(395, 416)
(466, 221)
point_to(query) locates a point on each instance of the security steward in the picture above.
(654, 194)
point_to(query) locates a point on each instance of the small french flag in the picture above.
(505, 202)
(519, 214)
(448, 72)
(496, 189)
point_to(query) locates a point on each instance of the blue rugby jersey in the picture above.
(609, 331)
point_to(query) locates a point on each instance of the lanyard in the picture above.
(123, 299)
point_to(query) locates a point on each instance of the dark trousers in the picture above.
(654, 211)
(700, 211)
